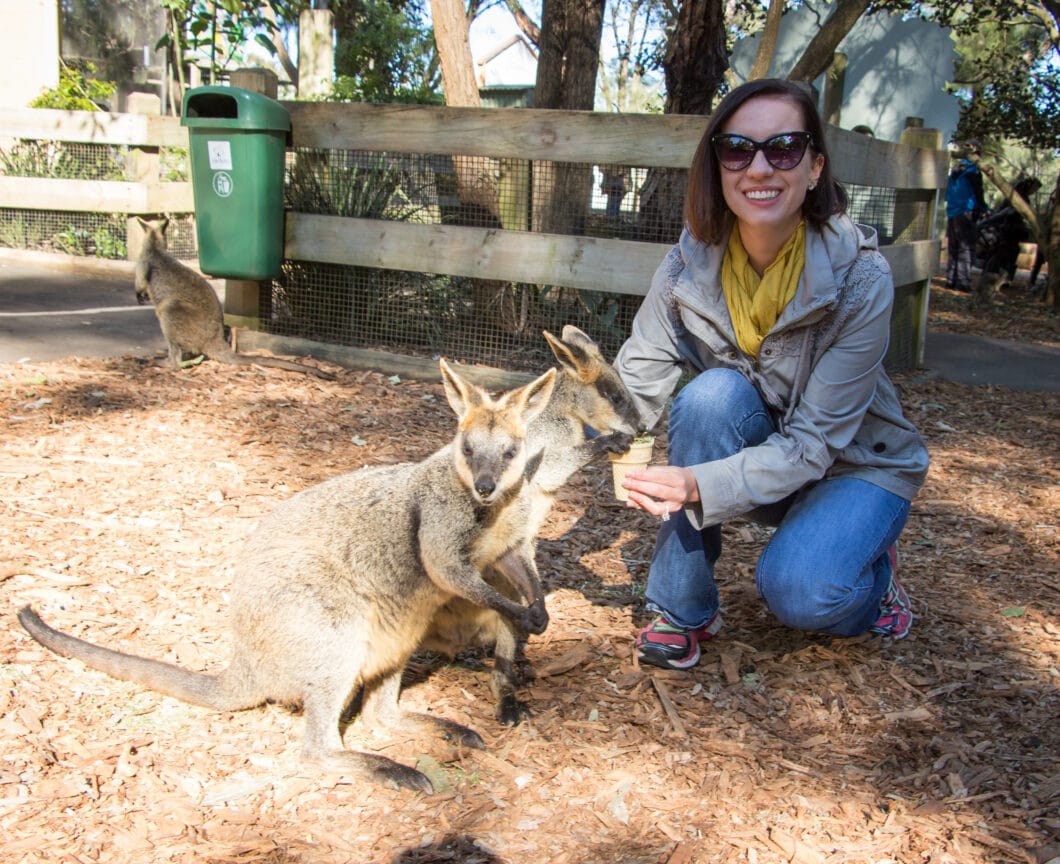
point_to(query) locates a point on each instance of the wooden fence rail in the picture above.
(621, 266)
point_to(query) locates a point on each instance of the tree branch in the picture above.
(818, 54)
(1011, 195)
(524, 22)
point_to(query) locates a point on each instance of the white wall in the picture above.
(895, 69)
(29, 50)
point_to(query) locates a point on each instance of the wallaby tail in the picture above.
(220, 692)
(279, 363)
(233, 357)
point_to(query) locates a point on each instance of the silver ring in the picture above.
(665, 516)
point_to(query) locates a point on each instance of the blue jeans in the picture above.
(960, 250)
(826, 566)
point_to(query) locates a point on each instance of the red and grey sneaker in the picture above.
(896, 612)
(671, 647)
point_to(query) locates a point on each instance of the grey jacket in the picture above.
(819, 370)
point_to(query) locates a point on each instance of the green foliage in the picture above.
(76, 91)
(1008, 79)
(86, 234)
(337, 183)
(174, 164)
(21, 230)
(102, 241)
(384, 53)
(60, 161)
(221, 31)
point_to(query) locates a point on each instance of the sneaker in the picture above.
(896, 612)
(672, 647)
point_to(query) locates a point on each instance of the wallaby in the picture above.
(188, 310)
(589, 393)
(337, 586)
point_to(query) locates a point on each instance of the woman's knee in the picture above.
(716, 414)
(715, 390)
(801, 596)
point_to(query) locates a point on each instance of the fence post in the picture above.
(907, 204)
(143, 167)
(263, 81)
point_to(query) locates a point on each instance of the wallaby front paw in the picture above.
(616, 442)
(535, 619)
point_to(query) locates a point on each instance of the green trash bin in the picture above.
(238, 144)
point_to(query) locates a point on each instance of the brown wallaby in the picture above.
(188, 310)
(337, 586)
(589, 393)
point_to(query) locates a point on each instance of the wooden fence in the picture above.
(910, 176)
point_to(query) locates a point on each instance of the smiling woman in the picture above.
(782, 306)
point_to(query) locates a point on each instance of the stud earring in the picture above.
(813, 185)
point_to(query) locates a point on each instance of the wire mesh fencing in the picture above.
(83, 233)
(486, 321)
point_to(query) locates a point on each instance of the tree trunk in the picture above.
(767, 47)
(476, 176)
(1052, 247)
(817, 57)
(695, 65)
(569, 55)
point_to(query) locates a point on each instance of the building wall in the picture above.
(29, 50)
(895, 69)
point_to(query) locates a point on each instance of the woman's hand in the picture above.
(661, 489)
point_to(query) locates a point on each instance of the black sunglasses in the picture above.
(783, 151)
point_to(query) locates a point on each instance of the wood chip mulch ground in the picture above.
(127, 490)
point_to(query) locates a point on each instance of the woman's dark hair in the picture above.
(706, 214)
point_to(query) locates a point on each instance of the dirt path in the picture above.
(126, 490)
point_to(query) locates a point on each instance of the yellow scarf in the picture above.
(755, 303)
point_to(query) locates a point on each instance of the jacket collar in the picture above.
(830, 252)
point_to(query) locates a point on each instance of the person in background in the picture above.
(614, 184)
(964, 207)
(781, 306)
(998, 239)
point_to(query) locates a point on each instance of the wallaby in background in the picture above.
(336, 587)
(188, 310)
(588, 392)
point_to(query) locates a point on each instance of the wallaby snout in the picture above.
(489, 451)
(491, 465)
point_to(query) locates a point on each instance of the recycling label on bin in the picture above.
(220, 153)
(222, 184)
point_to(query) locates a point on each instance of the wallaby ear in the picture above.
(462, 396)
(578, 353)
(163, 224)
(574, 334)
(531, 399)
(144, 223)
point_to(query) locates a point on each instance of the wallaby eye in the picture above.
(509, 454)
(467, 449)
